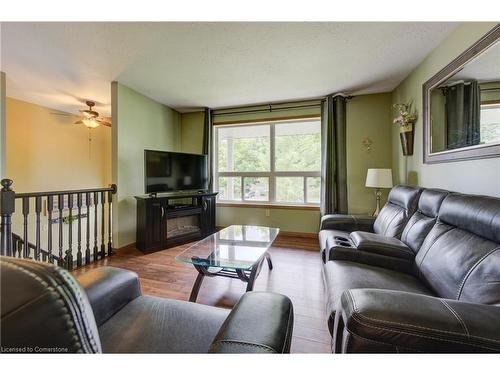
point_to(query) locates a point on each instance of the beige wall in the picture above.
(472, 176)
(367, 116)
(139, 123)
(48, 152)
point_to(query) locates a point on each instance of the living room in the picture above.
(250, 187)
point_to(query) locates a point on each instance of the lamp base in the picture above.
(378, 195)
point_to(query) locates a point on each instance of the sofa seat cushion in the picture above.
(156, 325)
(325, 239)
(343, 275)
(375, 243)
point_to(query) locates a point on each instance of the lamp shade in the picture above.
(379, 178)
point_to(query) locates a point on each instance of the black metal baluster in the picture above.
(87, 233)
(50, 207)
(26, 211)
(14, 247)
(103, 217)
(68, 259)
(38, 209)
(60, 206)
(96, 201)
(19, 249)
(79, 246)
(110, 223)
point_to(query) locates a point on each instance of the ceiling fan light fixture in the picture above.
(90, 123)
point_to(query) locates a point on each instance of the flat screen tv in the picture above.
(174, 171)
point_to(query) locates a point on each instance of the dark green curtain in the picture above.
(333, 155)
(463, 111)
(207, 144)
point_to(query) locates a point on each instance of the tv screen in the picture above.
(174, 171)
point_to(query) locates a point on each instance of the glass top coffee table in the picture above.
(237, 252)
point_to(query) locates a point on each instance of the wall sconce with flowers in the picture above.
(406, 121)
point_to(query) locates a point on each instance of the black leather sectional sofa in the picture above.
(45, 310)
(424, 276)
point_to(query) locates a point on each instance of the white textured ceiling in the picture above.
(188, 65)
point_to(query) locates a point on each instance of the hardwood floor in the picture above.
(297, 273)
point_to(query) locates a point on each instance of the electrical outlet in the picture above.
(268, 212)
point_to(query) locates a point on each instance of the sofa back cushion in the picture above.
(400, 206)
(460, 258)
(422, 221)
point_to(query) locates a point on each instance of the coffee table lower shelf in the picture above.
(248, 275)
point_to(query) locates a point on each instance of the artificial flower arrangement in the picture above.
(406, 117)
(405, 120)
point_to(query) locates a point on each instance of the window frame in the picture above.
(272, 174)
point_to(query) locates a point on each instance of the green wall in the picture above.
(472, 176)
(490, 95)
(367, 116)
(138, 123)
(3, 124)
(192, 132)
(288, 220)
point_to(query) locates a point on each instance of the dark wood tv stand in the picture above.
(162, 224)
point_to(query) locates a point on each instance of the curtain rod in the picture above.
(264, 110)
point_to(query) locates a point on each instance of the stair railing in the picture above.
(61, 208)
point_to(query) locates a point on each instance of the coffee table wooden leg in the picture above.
(269, 261)
(196, 287)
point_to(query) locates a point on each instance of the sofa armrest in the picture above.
(109, 289)
(374, 320)
(372, 259)
(347, 223)
(261, 322)
(374, 250)
(383, 245)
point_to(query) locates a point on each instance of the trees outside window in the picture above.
(276, 162)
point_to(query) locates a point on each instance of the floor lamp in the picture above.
(378, 179)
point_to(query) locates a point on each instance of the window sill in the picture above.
(305, 207)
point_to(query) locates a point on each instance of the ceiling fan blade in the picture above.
(103, 122)
(78, 122)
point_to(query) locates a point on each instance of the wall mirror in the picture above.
(462, 105)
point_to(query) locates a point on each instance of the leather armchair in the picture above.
(45, 307)
(386, 321)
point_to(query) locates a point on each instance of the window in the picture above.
(490, 123)
(269, 163)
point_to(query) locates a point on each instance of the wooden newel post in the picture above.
(110, 218)
(7, 208)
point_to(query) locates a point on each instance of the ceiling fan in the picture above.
(90, 118)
